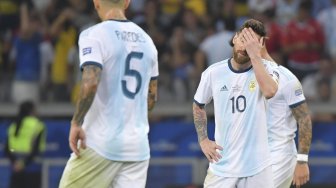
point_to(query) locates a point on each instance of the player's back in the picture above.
(281, 122)
(116, 124)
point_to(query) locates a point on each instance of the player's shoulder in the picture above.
(93, 31)
(286, 74)
(218, 66)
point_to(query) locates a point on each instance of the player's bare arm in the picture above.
(301, 114)
(152, 94)
(90, 80)
(200, 121)
(253, 46)
(208, 146)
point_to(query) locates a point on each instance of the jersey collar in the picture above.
(238, 71)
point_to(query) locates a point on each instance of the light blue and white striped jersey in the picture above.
(281, 122)
(240, 118)
(116, 125)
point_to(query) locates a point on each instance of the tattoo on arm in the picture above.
(90, 79)
(301, 114)
(152, 94)
(200, 121)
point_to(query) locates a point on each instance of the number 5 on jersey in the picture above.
(131, 72)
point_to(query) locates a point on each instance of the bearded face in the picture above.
(240, 56)
(239, 52)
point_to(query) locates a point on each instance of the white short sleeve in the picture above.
(273, 69)
(293, 93)
(155, 68)
(204, 92)
(90, 51)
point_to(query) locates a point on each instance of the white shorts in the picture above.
(263, 179)
(283, 170)
(93, 170)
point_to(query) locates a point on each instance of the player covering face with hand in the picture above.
(239, 87)
(109, 130)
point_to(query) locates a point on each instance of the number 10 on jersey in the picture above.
(238, 104)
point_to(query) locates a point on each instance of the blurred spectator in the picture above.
(151, 22)
(178, 59)
(327, 18)
(303, 42)
(319, 6)
(319, 87)
(41, 5)
(193, 28)
(9, 14)
(27, 56)
(214, 48)
(6, 73)
(25, 143)
(64, 34)
(260, 5)
(286, 10)
(226, 15)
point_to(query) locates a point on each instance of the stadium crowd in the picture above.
(39, 54)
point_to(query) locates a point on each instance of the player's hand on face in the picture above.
(76, 134)
(253, 45)
(301, 174)
(209, 149)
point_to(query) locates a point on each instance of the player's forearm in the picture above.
(301, 114)
(200, 121)
(90, 81)
(266, 83)
(152, 94)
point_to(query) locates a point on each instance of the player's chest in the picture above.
(235, 85)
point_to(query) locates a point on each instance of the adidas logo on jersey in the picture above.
(224, 88)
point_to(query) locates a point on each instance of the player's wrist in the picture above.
(302, 158)
(256, 59)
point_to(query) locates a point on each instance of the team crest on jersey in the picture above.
(87, 50)
(252, 85)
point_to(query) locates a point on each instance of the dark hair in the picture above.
(306, 5)
(255, 25)
(26, 109)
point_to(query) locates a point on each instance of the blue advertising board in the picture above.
(177, 138)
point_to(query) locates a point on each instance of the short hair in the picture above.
(257, 26)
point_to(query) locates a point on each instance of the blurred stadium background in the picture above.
(189, 35)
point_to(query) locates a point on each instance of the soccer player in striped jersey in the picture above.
(287, 109)
(109, 129)
(239, 157)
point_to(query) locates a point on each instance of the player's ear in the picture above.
(234, 39)
(127, 2)
(96, 4)
(262, 41)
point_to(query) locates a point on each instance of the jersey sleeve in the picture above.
(273, 69)
(204, 92)
(155, 68)
(294, 93)
(90, 51)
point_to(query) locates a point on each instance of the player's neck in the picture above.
(115, 14)
(240, 67)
